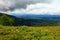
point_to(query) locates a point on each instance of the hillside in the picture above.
(31, 20)
(13, 18)
(42, 20)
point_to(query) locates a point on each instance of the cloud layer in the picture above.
(11, 5)
(30, 6)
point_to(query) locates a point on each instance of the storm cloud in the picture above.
(30, 6)
(10, 5)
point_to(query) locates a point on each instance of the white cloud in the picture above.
(10, 5)
(41, 8)
(33, 7)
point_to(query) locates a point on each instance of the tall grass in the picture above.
(29, 33)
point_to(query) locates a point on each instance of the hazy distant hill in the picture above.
(32, 19)
(32, 16)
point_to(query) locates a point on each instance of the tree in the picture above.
(5, 20)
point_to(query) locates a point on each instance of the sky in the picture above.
(30, 6)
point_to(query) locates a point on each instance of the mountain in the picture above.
(32, 16)
(34, 20)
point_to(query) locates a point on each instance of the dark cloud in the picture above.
(11, 5)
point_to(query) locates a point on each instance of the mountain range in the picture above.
(32, 19)
(32, 16)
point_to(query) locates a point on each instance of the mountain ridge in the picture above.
(27, 16)
(35, 20)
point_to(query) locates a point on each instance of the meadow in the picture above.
(29, 33)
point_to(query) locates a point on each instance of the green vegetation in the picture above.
(5, 20)
(35, 29)
(29, 33)
(8, 20)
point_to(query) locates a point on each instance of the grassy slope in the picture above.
(29, 33)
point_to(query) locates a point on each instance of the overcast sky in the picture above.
(30, 6)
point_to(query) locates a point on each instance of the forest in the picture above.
(9, 20)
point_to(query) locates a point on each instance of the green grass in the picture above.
(29, 33)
